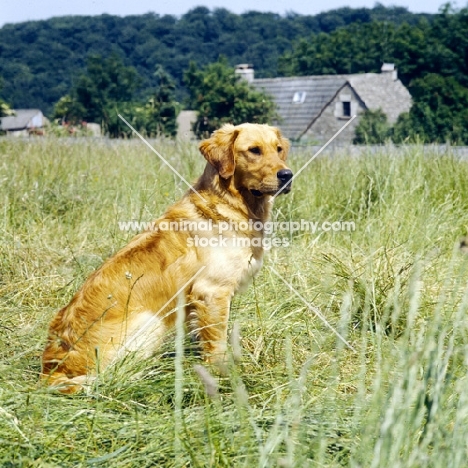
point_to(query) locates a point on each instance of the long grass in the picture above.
(392, 391)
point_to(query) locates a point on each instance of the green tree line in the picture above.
(144, 66)
(41, 61)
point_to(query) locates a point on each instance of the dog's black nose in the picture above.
(285, 175)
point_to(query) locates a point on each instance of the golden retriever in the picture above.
(130, 302)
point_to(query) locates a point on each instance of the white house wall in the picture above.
(36, 121)
(331, 119)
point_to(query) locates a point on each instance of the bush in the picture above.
(373, 128)
(220, 96)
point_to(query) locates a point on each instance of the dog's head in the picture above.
(253, 155)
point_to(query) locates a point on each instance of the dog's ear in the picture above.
(219, 152)
(284, 142)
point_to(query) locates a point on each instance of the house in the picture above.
(314, 108)
(24, 122)
(185, 120)
(245, 71)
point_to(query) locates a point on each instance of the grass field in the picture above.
(395, 289)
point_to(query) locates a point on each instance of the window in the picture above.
(299, 97)
(346, 109)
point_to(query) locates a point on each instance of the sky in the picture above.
(17, 11)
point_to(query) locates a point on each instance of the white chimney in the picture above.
(390, 69)
(245, 71)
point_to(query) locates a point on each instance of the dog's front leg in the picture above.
(207, 317)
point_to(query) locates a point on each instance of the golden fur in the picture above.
(129, 303)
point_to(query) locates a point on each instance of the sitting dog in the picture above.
(130, 302)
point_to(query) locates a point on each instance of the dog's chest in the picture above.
(236, 266)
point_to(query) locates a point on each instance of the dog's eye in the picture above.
(255, 150)
(279, 149)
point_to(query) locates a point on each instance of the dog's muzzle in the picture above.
(285, 178)
(285, 181)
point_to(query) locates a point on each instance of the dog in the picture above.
(130, 302)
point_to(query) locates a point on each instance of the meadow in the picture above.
(390, 391)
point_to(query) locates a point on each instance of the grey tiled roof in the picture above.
(295, 118)
(20, 120)
(379, 90)
(375, 91)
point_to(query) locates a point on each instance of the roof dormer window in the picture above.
(346, 109)
(299, 97)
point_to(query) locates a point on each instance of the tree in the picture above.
(108, 89)
(356, 48)
(107, 83)
(373, 128)
(162, 107)
(439, 113)
(4, 107)
(106, 86)
(220, 96)
(68, 109)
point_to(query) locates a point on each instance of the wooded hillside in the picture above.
(41, 60)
